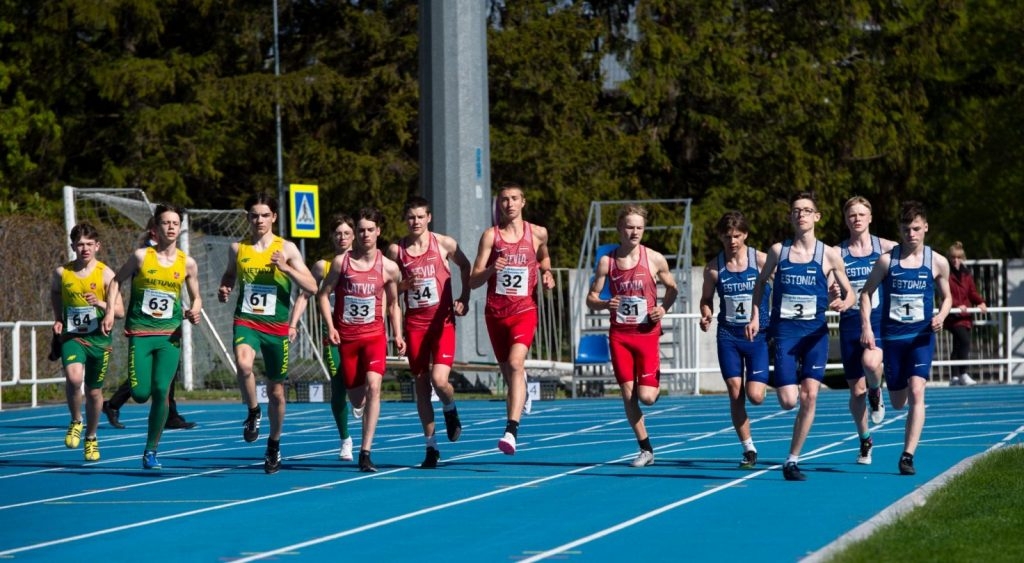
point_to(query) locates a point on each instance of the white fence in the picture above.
(998, 355)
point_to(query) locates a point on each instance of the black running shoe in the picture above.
(365, 463)
(271, 461)
(430, 462)
(251, 426)
(452, 425)
(907, 465)
(792, 473)
(749, 460)
(113, 415)
(179, 423)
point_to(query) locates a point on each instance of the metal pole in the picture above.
(282, 202)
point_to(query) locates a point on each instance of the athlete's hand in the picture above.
(400, 345)
(548, 279)
(867, 338)
(193, 316)
(705, 318)
(223, 292)
(752, 329)
(107, 325)
(460, 307)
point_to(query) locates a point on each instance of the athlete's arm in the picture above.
(940, 271)
(394, 276)
(540, 238)
(128, 269)
(707, 296)
(323, 296)
(57, 300)
(770, 263)
(194, 312)
(878, 273)
(227, 280)
(481, 271)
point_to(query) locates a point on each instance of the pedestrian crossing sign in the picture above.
(305, 211)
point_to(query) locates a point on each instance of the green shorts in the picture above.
(94, 352)
(273, 348)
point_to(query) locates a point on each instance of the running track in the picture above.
(567, 495)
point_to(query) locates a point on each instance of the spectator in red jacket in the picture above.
(965, 294)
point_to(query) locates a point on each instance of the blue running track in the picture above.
(568, 494)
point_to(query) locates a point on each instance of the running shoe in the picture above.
(113, 415)
(366, 464)
(92, 449)
(792, 472)
(528, 405)
(877, 405)
(452, 424)
(749, 459)
(907, 465)
(430, 462)
(271, 461)
(966, 379)
(149, 460)
(864, 458)
(179, 423)
(643, 459)
(251, 426)
(357, 412)
(507, 444)
(74, 434)
(345, 454)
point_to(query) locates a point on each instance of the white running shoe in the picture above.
(877, 405)
(643, 459)
(346, 449)
(507, 444)
(528, 405)
(966, 379)
(358, 411)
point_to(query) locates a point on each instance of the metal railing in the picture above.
(997, 354)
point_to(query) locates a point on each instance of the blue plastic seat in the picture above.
(602, 250)
(593, 349)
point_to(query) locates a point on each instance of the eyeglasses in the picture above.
(801, 211)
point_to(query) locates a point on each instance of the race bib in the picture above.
(82, 319)
(259, 300)
(632, 310)
(737, 308)
(513, 281)
(423, 294)
(906, 308)
(358, 310)
(798, 307)
(158, 304)
(858, 286)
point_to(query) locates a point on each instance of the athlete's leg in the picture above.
(915, 415)
(371, 414)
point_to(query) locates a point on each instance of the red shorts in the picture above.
(517, 329)
(424, 344)
(361, 355)
(636, 357)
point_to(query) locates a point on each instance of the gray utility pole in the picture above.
(282, 197)
(455, 156)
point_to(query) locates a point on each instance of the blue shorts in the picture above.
(908, 357)
(738, 357)
(797, 358)
(852, 353)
